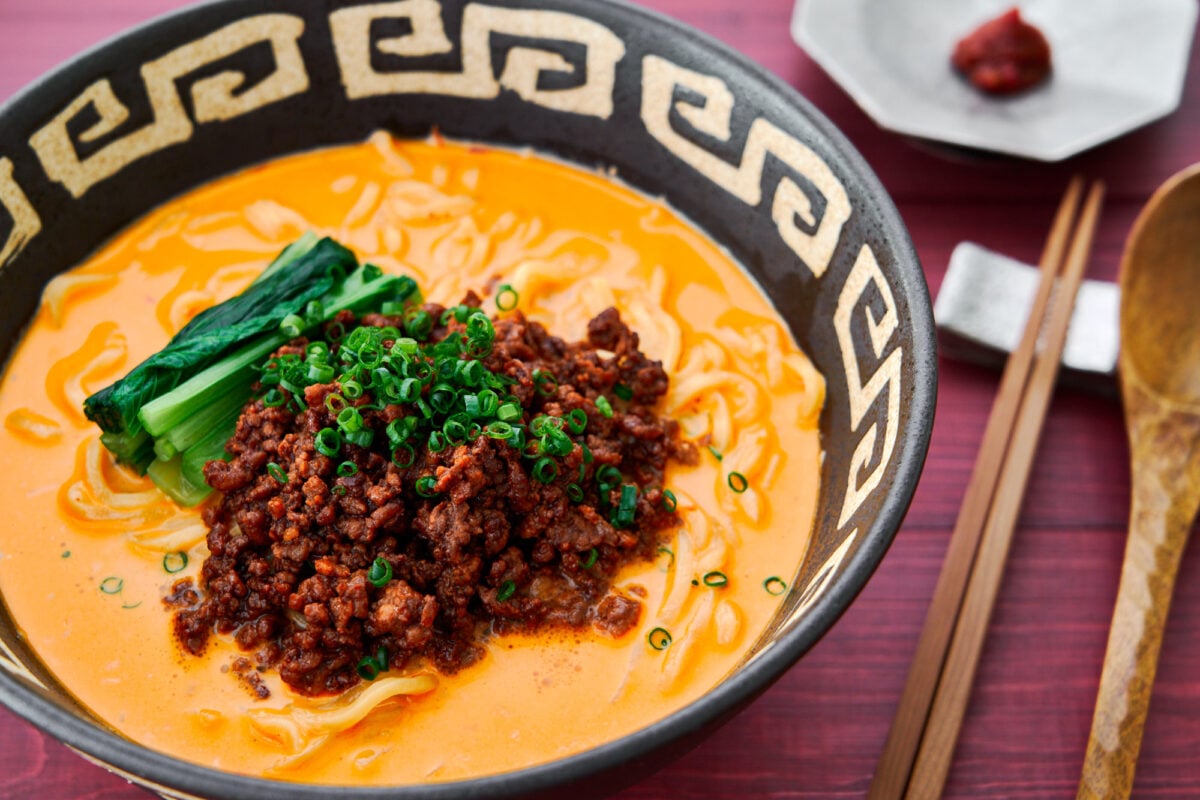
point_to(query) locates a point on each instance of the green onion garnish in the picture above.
(328, 442)
(112, 584)
(715, 578)
(505, 591)
(577, 420)
(347, 468)
(175, 562)
(604, 407)
(738, 482)
(545, 382)
(380, 572)
(659, 638)
(670, 557)
(506, 297)
(545, 470)
(622, 516)
(404, 455)
(589, 560)
(775, 585)
(427, 486)
(369, 668)
(624, 392)
(668, 500)
(716, 453)
(575, 492)
(276, 472)
(273, 398)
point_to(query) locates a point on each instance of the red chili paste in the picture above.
(1004, 55)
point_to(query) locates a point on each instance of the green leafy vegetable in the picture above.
(175, 411)
(216, 331)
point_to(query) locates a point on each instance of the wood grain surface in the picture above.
(819, 731)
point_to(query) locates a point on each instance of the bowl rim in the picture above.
(144, 765)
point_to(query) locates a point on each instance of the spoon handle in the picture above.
(1165, 502)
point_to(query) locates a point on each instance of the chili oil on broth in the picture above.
(84, 559)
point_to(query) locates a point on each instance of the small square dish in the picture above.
(1116, 67)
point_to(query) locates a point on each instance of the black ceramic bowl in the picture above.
(118, 130)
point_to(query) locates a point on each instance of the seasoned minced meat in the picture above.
(482, 547)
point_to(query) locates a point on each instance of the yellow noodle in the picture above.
(62, 290)
(297, 726)
(33, 427)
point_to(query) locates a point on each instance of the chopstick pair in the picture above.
(920, 745)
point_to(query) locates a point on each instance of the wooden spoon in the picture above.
(1160, 389)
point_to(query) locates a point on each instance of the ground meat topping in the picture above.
(414, 542)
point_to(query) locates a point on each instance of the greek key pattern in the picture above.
(522, 69)
(680, 108)
(25, 220)
(885, 379)
(660, 80)
(213, 100)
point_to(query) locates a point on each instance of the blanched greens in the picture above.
(175, 410)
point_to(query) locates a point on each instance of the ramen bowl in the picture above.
(215, 88)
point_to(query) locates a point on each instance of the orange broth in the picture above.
(86, 586)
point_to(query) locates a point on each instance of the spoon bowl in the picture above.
(1159, 368)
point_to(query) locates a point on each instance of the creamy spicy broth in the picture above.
(89, 551)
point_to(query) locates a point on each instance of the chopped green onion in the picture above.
(505, 591)
(545, 382)
(775, 585)
(545, 470)
(589, 560)
(328, 442)
(508, 412)
(291, 325)
(577, 420)
(274, 398)
(670, 557)
(507, 297)
(622, 517)
(404, 455)
(604, 407)
(738, 482)
(380, 573)
(437, 441)
(716, 453)
(575, 492)
(659, 638)
(427, 486)
(347, 468)
(715, 578)
(498, 430)
(334, 403)
(668, 500)
(369, 668)
(624, 392)
(349, 420)
(455, 430)
(418, 324)
(277, 472)
(175, 562)
(362, 438)
(609, 477)
(112, 585)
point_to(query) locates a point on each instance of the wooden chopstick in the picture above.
(921, 741)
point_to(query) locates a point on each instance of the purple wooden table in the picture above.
(819, 731)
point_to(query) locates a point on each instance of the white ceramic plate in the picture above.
(1117, 65)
